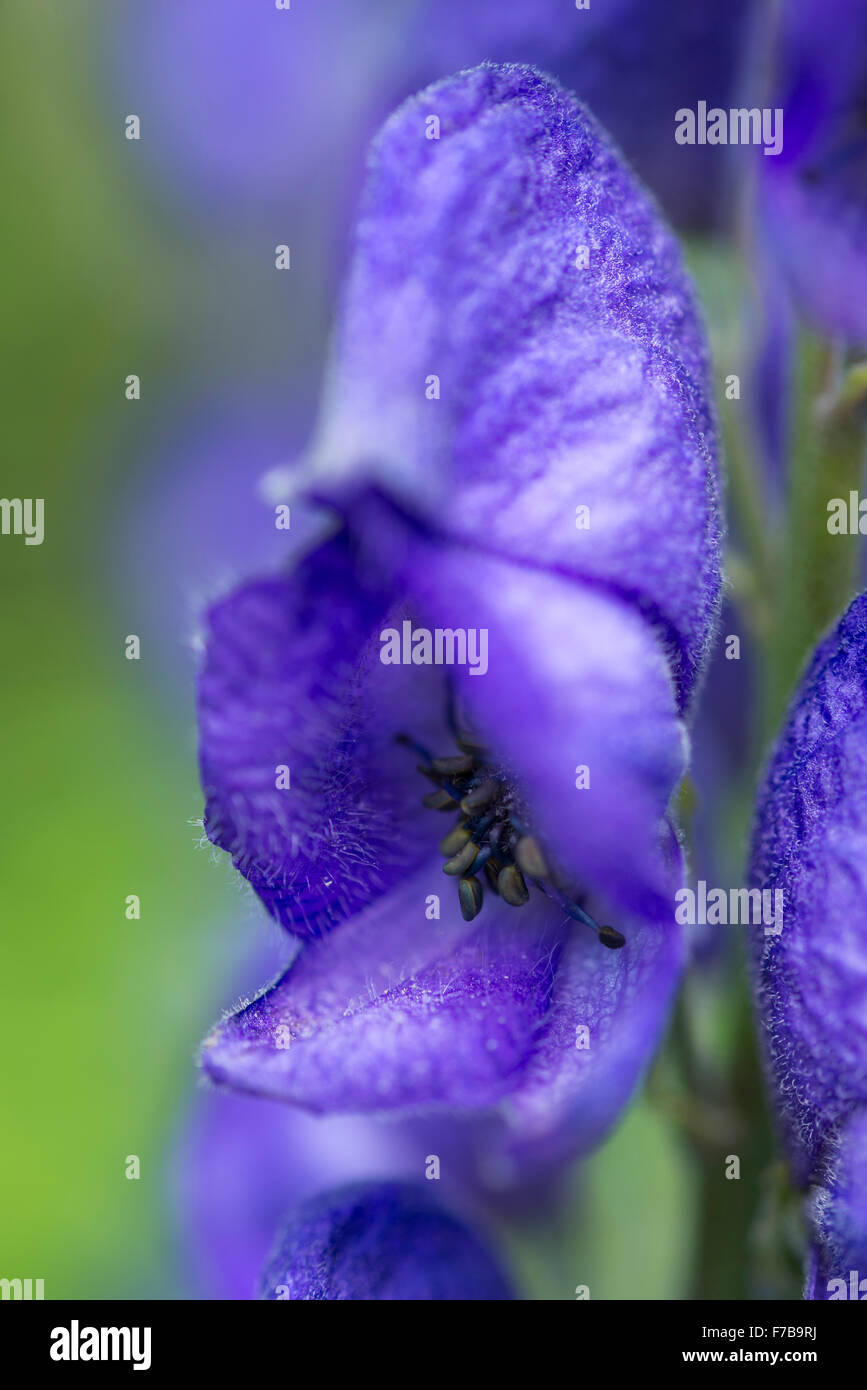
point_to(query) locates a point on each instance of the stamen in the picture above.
(470, 895)
(492, 873)
(608, 936)
(511, 886)
(455, 840)
(480, 797)
(489, 836)
(530, 857)
(439, 801)
(453, 767)
(462, 861)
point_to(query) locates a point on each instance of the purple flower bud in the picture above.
(381, 1242)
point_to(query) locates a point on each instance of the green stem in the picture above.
(819, 570)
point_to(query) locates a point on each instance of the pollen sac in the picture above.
(492, 873)
(511, 886)
(530, 857)
(463, 860)
(611, 938)
(480, 797)
(470, 895)
(454, 841)
(440, 801)
(457, 766)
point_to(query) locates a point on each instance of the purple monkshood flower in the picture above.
(810, 842)
(813, 195)
(517, 441)
(383, 1242)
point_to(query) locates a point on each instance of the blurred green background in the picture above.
(102, 1015)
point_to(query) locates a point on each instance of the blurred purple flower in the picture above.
(813, 195)
(246, 104)
(566, 381)
(387, 1242)
(243, 1163)
(810, 842)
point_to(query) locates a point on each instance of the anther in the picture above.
(470, 895)
(480, 860)
(458, 766)
(511, 886)
(462, 861)
(439, 801)
(608, 936)
(530, 857)
(454, 841)
(492, 873)
(490, 838)
(480, 797)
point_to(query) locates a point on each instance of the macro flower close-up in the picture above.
(436, 699)
(458, 509)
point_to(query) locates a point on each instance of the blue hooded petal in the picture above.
(384, 1243)
(810, 843)
(813, 195)
(491, 383)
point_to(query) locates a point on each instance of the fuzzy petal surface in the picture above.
(519, 339)
(810, 842)
(383, 1243)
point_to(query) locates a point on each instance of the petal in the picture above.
(838, 1210)
(396, 1011)
(810, 843)
(291, 679)
(386, 1242)
(559, 386)
(578, 1081)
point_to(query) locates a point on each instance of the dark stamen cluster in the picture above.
(489, 840)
